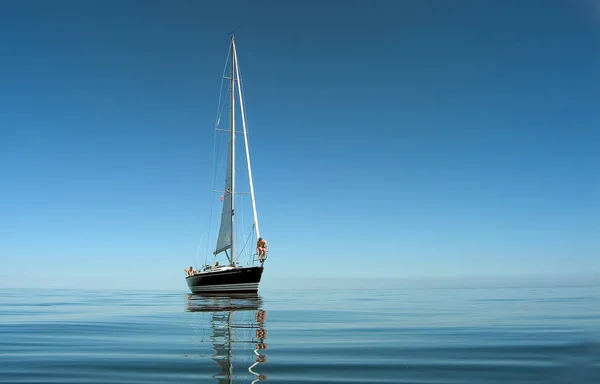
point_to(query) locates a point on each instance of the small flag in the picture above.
(222, 198)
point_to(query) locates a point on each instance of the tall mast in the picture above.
(232, 135)
(237, 72)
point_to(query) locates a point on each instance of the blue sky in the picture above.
(389, 139)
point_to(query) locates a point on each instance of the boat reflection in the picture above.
(237, 323)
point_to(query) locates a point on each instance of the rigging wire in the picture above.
(220, 107)
(250, 235)
(198, 250)
(245, 117)
(242, 220)
(217, 160)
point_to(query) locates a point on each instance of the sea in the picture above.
(425, 335)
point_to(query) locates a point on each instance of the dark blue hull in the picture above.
(236, 280)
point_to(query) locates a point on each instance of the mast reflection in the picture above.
(238, 333)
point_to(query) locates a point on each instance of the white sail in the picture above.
(225, 240)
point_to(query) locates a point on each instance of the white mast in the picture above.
(232, 133)
(237, 73)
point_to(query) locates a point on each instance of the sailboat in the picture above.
(232, 276)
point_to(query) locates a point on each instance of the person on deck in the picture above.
(261, 249)
(190, 272)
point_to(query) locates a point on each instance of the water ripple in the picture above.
(428, 336)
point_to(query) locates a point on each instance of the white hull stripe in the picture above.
(224, 287)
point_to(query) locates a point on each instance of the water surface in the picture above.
(533, 335)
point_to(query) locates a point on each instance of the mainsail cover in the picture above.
(224, 240)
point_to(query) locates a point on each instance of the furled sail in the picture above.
(224, 240)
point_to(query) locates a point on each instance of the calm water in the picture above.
(497, 335)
